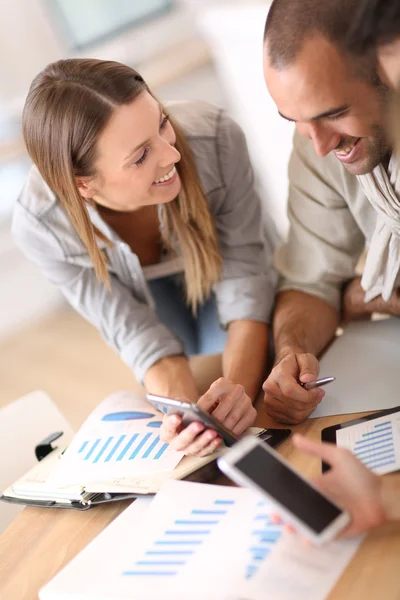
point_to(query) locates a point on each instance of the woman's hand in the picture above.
(349, 484)
(227, 402)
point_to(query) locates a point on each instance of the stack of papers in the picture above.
(195, 542)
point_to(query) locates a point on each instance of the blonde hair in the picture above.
(68, 105)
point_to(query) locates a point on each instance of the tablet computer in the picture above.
(374, 439)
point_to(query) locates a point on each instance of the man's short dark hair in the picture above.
(376, 24)
(291, 22)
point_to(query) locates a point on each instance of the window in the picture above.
(92, 21)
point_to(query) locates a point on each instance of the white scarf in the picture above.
(383, 258)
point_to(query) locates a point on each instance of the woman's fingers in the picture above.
(209, 449)
(246, 421)
(215, 394)
(199, 446)
(170, 427)
(227, 402)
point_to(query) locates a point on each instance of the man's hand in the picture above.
(227, 402)
(285, 399)
(355, 309)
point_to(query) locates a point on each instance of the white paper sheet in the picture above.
(120, 438)
(200, 541)
(365, 362)
(376, 443)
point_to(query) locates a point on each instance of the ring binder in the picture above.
(45, 446)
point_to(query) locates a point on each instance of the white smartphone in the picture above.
(250, 463)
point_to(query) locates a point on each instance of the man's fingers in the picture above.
(279, 410)
(308, 367)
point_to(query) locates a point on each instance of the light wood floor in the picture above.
(66, 357)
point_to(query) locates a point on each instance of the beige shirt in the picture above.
(331, 221)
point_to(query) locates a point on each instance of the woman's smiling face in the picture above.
(136, 157)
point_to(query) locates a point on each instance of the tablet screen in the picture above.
(376, 442)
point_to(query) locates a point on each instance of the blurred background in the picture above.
(210, 50)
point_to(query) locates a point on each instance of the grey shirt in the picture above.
(331, 222)
(126, 316)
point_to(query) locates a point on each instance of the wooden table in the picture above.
(41, 541)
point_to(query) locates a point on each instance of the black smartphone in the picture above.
(273, 437)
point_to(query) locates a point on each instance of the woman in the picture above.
(140, 216)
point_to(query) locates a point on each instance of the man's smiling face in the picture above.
(338, 111)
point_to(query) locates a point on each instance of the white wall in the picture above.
(30, 39)
(27, 43)
(235, 34)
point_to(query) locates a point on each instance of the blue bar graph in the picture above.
(92, 449)
(161, 451)
(115, 447)
(376, 447)
(208, 512)
(181, 522)
(180, 541)
(127, 446)
(139, 446)
(151, 447)
(380, 450)
(103, 449)
(264, 536)
(81, 449)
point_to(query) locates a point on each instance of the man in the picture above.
(344, 192)
(370, 500)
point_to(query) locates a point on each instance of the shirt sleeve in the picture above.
(247, 288)
(129, 326)
(324, 241)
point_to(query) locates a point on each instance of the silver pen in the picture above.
(310, 385)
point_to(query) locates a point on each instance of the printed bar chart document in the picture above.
(117, 453)
(119, 438)
(376, 443)
(198, 541)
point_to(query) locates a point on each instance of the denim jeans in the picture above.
(202, 334)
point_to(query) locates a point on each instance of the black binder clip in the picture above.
(44, 447)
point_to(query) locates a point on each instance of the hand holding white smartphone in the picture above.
(251, 463)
